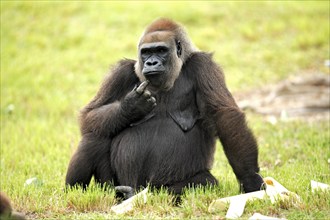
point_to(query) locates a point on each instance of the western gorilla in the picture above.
(155, 120)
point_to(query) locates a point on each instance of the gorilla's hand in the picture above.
(138, 103)
(252, 182)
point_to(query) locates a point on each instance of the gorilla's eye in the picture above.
(145, 51)
(162, 50)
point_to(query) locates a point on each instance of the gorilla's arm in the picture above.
(222, 113)
(103, 115)
(117, 104)
(100, 119)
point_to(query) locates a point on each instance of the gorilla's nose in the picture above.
(152, 63)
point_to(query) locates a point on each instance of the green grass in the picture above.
(55, 54)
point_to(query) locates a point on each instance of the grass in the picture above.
(55, 54)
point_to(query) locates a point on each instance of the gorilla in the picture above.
(156, 120)
(6, 210)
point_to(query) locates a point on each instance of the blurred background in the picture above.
(56, 53)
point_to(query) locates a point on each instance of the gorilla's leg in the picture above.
(91, 158)
(202, 178)
(103, 172)
(79, 171)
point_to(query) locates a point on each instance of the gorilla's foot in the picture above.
(124, 192)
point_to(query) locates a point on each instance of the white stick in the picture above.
(319, 186)
(237, 203)
(128, 204)
(236, 207)
(258, 216)
(221, 204)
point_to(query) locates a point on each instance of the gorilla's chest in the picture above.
(149, 146)
(178, 105)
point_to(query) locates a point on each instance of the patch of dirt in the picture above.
(305, 96)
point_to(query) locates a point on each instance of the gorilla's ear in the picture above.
(178, 48)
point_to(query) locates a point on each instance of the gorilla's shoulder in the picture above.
(125, 63)
(199, 62)
(199, 58)
(123, 68)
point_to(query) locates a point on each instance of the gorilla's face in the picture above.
(159, 60)
(155, 57)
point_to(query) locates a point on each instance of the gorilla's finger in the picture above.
(152, 99)
(147, 94)
(142, 87)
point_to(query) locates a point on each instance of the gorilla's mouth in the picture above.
(153, 73)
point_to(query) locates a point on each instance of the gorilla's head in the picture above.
(162, 50)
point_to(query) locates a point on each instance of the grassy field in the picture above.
(55, 54)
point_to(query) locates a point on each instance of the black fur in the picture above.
(175, 146)
(163, 134)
